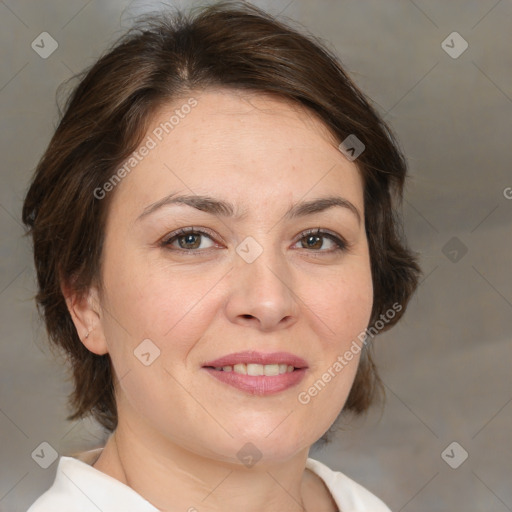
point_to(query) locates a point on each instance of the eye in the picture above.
(189, 239)
(314, 239)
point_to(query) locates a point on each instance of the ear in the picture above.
(86, 314)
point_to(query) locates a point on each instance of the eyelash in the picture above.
(341, 243)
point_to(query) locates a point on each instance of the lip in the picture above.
(255, 357)
(260, 385)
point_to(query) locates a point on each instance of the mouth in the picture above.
(258, 363)
(258, 373)
(255, 369)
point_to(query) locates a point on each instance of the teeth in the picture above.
(271, 369)
(254, 369)
(240, 368)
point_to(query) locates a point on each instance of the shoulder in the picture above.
(71, 477)
(79, 484)
(58, 497)
(348, 494)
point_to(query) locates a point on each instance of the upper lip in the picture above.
(254, 357)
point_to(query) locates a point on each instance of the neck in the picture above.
(172, 478)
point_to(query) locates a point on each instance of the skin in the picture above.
(179, 428)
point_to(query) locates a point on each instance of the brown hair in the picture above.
(229, 45)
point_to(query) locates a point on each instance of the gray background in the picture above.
(446, 366)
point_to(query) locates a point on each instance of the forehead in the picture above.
(227, 142)
(227, 117)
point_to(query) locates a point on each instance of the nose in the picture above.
(262, 293)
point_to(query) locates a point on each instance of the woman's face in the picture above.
(247, 280)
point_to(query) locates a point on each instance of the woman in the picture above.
(216, 243)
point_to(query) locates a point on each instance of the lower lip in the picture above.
(259, 384)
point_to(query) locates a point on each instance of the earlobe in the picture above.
(85, 311)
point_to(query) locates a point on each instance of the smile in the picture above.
(258, 373)
(255, 369)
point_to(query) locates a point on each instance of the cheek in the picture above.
(355, 306)
(343, 306)
(342, 312)
(158, 304)
(173, 311)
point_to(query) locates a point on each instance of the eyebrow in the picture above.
(224, 209)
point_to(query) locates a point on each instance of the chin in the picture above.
(271, 440)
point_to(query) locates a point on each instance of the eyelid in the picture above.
(186, 230)
(341, 243)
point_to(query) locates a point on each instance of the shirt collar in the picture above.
(103, 492)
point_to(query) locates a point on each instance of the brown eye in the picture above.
(314, 239)
(189, 239)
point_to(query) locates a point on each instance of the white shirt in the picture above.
(79, 487)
